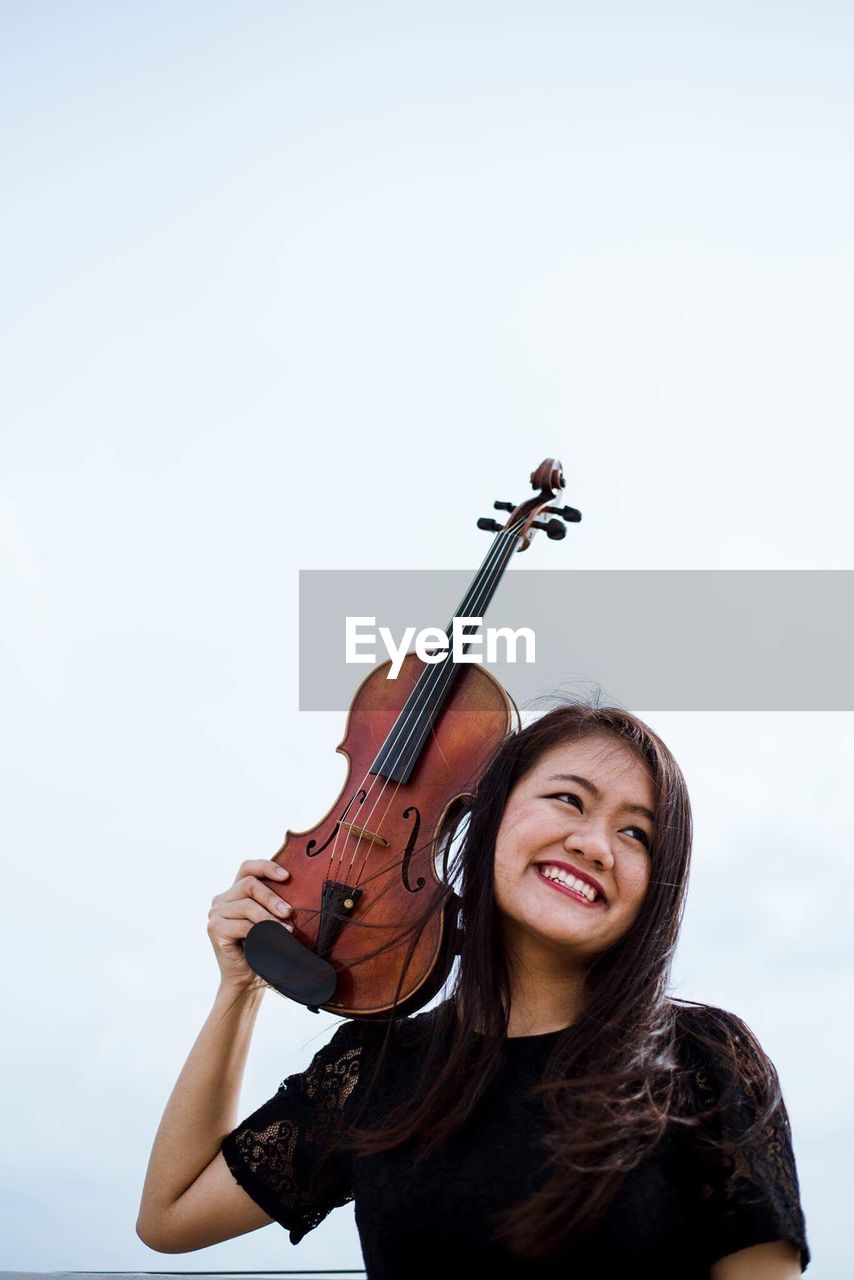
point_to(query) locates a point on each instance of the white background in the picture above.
(295, 285)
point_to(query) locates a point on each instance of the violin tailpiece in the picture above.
(337, 903)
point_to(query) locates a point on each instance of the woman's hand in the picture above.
(234, 912)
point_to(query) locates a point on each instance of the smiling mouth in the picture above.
(570, 886)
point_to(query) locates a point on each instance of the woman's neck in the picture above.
(548, 989)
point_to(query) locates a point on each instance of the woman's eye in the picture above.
(568, 795)
(637, 833)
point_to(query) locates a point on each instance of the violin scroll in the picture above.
(548, 478)
(548, 475)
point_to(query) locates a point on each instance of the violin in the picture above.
(375, 927)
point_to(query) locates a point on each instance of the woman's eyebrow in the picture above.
(597, 794)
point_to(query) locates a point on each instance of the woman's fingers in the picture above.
(235, 929)
(250, 887)
(254, 909)
(263, 867)
(247, 902)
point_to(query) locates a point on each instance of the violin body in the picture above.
(379, 844)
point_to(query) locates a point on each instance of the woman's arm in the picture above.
(190, 1198)
(187, 1201)
(777, 1261)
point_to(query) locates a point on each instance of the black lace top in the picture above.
(676, 1213)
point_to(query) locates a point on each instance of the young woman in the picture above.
(558, 1114)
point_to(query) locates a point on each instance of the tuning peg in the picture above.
(554, 528)
(571, 514)
(504, 506)
(491, 526)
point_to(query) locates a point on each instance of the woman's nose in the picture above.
(592, 844)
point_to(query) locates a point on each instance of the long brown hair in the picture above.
(613, 1080)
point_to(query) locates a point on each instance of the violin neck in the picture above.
(401, 750)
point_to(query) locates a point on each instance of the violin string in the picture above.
(424, 691)
(428, 681)
(446, 672)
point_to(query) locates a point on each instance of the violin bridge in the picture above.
(364, 834)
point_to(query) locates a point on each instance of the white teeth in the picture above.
(572, 882)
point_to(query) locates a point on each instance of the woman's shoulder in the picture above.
(742, 1148)
(725, 1061)
(694, 1017)
(716, 1033)
(360, 1040)
(362, 1053)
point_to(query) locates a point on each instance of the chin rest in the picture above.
(276, 956)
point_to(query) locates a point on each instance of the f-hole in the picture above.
(410, 846)
(310, 850)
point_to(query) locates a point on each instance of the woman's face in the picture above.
(572, 853)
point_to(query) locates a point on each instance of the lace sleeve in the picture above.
(284, 1155)
(747, 1175)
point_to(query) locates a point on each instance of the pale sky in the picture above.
(295, 286)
